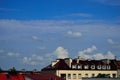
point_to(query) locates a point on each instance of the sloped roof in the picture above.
(117, 64)
(43, 76)
(60, 65)
(94, 62)
(11, 77)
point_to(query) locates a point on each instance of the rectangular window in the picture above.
(86, 67)
(73, 66)
(114, 75)
(93, 75)
(79, 76)
(74, 76)
(63, 76)
(79, 66)
(69, 76)
(86, 75)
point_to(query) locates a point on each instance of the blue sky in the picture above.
(35, 32)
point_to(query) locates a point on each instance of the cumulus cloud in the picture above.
(98, 56)
(88, 50)
(84, 54)
(61, 52)
(13, 54)
(74, 34)
(113, 43)
(34, 59)
(110, 41)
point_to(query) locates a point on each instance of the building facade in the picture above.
(77, 69)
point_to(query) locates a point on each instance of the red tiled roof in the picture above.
(43, 76)
(3, 76)
(11, 77)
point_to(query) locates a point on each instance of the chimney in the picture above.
(68, 61)
(54, 62)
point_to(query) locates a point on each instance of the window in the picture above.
(79, 76)
(114, 75)
(99, 67)
(92, 66)
(63, 76)
(104, 67)
(79, 66)
(93, 75)
(86, 67)
(73, 66)
(74, 76)
(69, 76)
(86, 75)
(108, 67)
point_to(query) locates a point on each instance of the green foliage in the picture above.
(1, 69)
(103, 76)
(13, 71)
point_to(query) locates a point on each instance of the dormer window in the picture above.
(79, 66)
(99, 67)
(92, 66)
(104, 67)
(108, 67)
(73, 66)
(86, 67)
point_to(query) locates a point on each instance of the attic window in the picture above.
(108, 67)
(86, 67)
(79, 66)
(92, 66)
(99, 67)
(73, 66)
(104, 67)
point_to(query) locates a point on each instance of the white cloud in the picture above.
(13, 54)
(98, 56)
(35, 38)
(34, 59)
(110, 41)
(88, 50)
(84, 54)
(74, 34)
(81, 15)
(110, 55)
(113, 43)
(61, 52)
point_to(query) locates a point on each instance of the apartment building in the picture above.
(76, 69)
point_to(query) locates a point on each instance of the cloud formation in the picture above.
(88, 50)
(34, 59)
(61, 52)
(113, 43)
(98, 56)
(74, 34)
(81, 15)
(13, 54)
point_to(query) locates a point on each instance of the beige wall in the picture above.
(83, 73)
